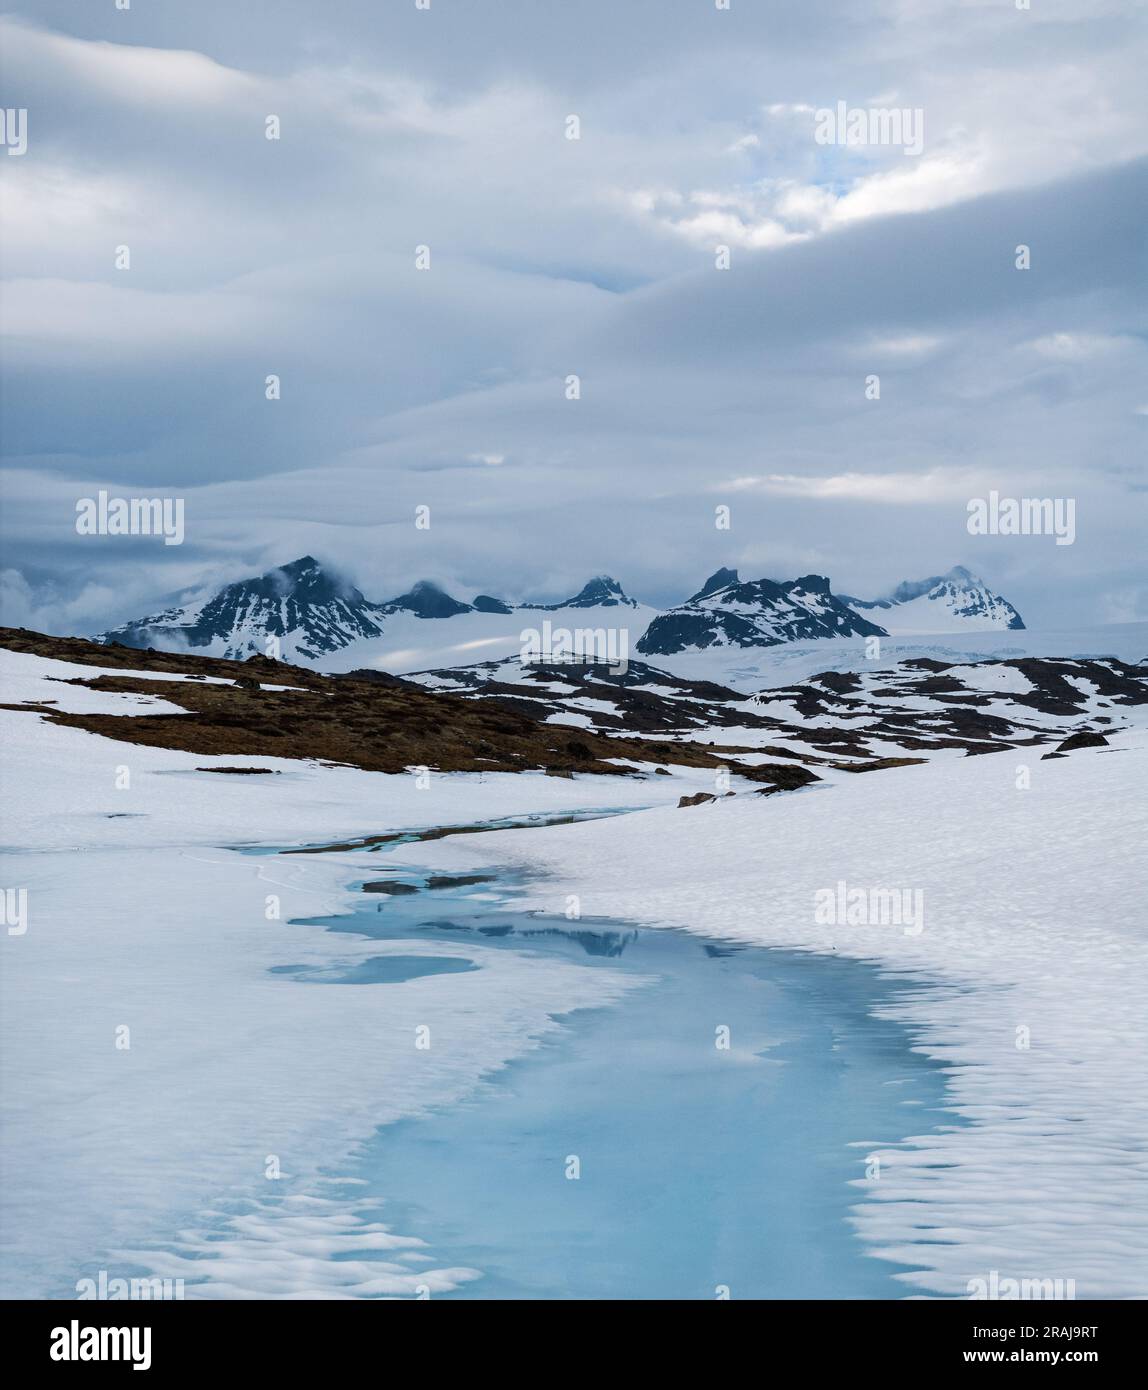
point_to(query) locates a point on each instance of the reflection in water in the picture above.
(601, 943)
(381, 970)
(717, 952)
(594, 943)
(723, 1115)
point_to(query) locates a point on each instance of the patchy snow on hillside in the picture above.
(62, 792)
(795, 661)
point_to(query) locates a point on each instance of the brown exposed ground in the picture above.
(381, 725)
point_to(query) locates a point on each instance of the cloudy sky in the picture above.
(446, 128)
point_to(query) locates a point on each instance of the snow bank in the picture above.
(1034, 931)
(135, 919)
(1033, 961)
(63, 793)
(228, 1065)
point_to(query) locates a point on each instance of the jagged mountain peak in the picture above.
(486, 603)
(296, 610)
(812, 583)
(958, 600)
(910, 589)
(303, 565)
(305, 610)
(426, 599)
(603, 591)
(720, 579)
(304, 579)
(730, 612)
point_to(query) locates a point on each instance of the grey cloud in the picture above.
(297, 258)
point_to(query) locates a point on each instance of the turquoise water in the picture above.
(698, 1167)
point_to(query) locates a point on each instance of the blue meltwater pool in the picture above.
(632, 1155)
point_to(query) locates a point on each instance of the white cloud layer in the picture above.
(552, 257)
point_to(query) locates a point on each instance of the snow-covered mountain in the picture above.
(955, 602)
(317, 618)
(309, 611)
(600, 592)
(727, 612)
